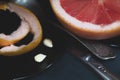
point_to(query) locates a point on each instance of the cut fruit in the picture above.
(91, 19)
(15, 36)
(29, 24)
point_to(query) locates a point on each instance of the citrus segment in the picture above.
(94, 11)
(71, 6)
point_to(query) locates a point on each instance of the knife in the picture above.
(79, 49)
(86, 56)
(83, 52)
(97, 48)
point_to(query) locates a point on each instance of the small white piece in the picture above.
(40, 57)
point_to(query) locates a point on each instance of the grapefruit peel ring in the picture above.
(14, 37)
(29, 24)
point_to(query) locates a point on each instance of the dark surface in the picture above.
(66, 66)
(5, 19)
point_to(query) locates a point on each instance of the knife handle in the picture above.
(99, 68)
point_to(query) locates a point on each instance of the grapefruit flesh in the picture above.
(94, 11)
(90, 19)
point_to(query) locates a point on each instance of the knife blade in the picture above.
(97, 48)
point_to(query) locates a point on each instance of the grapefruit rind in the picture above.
(15, 36)
(35, 29)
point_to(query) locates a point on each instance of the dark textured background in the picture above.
(67, 67)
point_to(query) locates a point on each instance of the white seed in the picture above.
(39, 57)
(48, 43)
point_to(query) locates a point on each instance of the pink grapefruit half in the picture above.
(91, 19)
